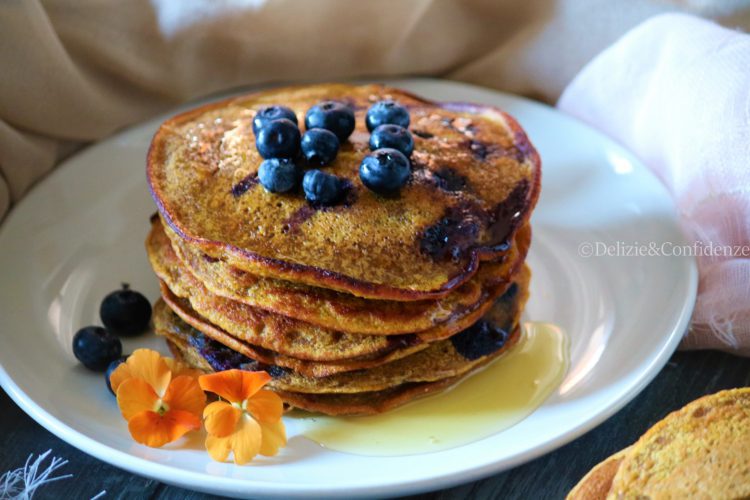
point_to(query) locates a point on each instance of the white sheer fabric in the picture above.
(676, 91)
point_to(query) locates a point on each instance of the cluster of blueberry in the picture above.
(280, 143)
(387, 168)
(124, 313)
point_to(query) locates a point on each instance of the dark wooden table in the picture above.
(686, 377)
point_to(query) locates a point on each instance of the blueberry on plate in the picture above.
(278, 175)
(386, 112)
(331, 115)
(96, 348)
(271, 113)
(125, 312)
(278, 139)
(392, 136)
(319, 146)
(322, 188)
(384, 171)
(111, 368)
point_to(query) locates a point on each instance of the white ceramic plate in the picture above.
(78, 234)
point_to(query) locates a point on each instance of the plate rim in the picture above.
(239, 486)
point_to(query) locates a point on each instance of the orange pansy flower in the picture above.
(248, 422)
(159, 397)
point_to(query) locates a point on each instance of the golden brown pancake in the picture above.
(300, 340)
(343, 312)
(441, 360)
(506, 310)
(256, 326)
(348, 403)
(305, 301)
(699, 451)
(596, 484)
(475, 180)
(363, 403)
(189, 323)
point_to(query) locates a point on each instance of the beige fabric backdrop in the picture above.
(76, 71)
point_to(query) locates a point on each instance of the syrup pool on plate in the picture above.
(490, 401)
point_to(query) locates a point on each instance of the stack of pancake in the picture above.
(358, 307)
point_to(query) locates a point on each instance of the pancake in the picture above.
(487, 338)
(208, 336)
(363, 403)
(596, 484)
(475, 180)
(699, 451)
(289, 337)
(439, 361)
(506, 310)
(359, 403)
(303, 301)
(346, 313)
(257, 326)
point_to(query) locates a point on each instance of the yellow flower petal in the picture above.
(135, 396)
(152, 429)
(151, 367)
(219, 447)
(265, 406)
(214, 407)
(184, 393)
(221, 418)
(246, 440)
(234, 385)
(273, 437)
(120, 375)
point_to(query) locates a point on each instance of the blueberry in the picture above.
(384, 171)
(450, 237)
(331, 115)
(125, 312)
(218, 355)
(96, 348)
(320, 146)
(392, 136)
(322, 188)
(386, 112)
(278, 175)
(276, 371)
(278, 139)
(271, 113)
(481, 339)
(111, 368)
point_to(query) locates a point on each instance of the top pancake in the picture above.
(475, 179)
